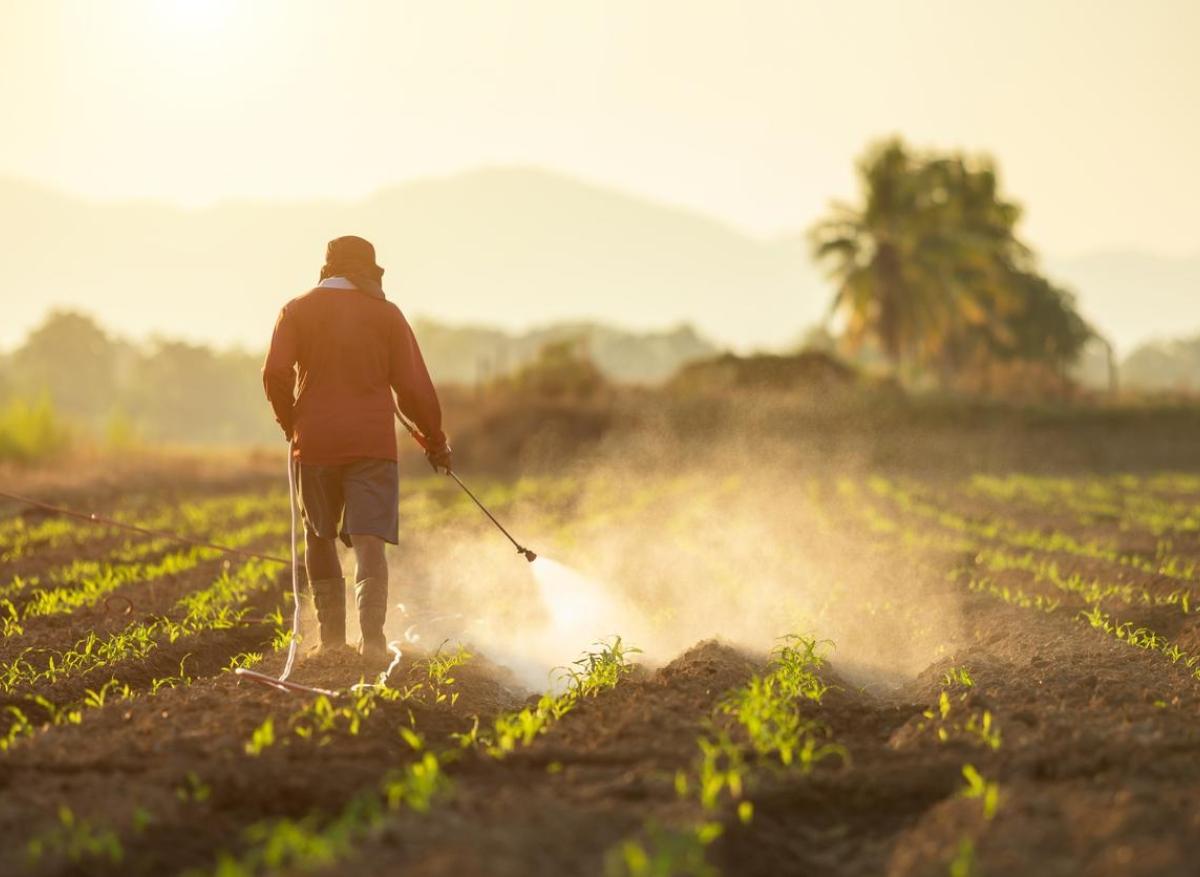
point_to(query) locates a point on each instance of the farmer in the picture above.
(338, 353)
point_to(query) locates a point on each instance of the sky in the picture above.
(751, 111)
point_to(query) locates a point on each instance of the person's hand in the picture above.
(439, 457)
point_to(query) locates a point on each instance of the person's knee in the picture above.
(369, 550)
(321, 556)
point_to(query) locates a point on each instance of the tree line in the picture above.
(165, 390)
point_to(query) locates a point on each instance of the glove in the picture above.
(439, 457)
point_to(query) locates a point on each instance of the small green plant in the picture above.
(768, 707)
(600, 670)
(193, 790)
(958, 676)
(665, 852)
(262, 738)
(31, 431)
(985, 729)
(244, 659)
(963, 863)
(74, 840)
(19, 727)
(420, 783)
(438, 669)
(721, 768)
(96, 699)
(587, 677)
(987, 791)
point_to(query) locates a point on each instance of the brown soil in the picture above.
(1098, 766)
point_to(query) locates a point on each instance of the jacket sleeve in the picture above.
(410, 380)
(279, 370)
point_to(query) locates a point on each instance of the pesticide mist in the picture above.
(578, 607)
(724, 548)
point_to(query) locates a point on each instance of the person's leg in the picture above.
(369, 557)
(321, 502)
(371, 595)
(321, 557)
(372, 520)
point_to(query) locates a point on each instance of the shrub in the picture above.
(31, 431)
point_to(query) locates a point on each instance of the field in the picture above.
(840, 672)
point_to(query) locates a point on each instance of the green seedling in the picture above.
(74, 840)
(262, 738)
(958, 676)
(987, 791)
(665, 852)
(192, 790)
(985, 729)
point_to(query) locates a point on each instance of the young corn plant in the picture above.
(768, 707)
(74, 840)
(438, 669)
(262, 738)
(986, 791)
(593, 673)
(665, 852)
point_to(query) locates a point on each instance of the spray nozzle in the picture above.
(528, 555)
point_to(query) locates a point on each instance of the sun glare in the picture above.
(194, 17)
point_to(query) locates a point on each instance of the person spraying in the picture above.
(338, 354)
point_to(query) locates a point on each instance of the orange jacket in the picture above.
(335, 359)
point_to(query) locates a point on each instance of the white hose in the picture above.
(291, 657)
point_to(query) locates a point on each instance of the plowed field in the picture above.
(874, 675)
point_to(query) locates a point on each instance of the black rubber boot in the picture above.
(371, 595)
(329, 597)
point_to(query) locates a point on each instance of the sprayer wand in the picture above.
(424, 443)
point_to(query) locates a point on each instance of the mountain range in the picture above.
(512, 247)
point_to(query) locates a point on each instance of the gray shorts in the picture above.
(361, 498)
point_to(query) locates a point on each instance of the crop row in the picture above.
(1125, 500)
(417, 784)
(979, 728)
(761, 725)
(314, 842)
(20, 538)
(221, 605)
(1086, 595)
(990, 548)
(1014, 535)
(102, 579)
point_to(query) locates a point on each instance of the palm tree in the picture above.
(929, 266)
(870, 250)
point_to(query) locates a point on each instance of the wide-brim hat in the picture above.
(351, 254)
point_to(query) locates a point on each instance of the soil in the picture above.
(1098, 764)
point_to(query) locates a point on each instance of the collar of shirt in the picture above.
(336, 283)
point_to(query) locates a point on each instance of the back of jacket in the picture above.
(336, 357)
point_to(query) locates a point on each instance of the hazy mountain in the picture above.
(507, 247)
(1134, 297)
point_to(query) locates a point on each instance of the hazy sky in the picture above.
(752, 111)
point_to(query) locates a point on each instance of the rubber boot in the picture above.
(329, 598)
(371, 595)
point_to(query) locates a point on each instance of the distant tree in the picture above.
(188, 392)
(1164, 366)
(561, 370)
(929, 267)
(70, 359)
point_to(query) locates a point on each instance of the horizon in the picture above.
(782, 234)
(15, 330)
